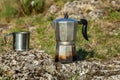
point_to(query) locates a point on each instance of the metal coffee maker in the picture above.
(65, 33)
(20, 40)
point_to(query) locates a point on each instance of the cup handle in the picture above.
(5, 37)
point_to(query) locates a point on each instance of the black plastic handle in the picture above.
(84, 27)
(66, 16)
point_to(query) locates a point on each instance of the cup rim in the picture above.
(22, 32)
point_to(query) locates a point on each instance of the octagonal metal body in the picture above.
(65, 33)
(65, 53)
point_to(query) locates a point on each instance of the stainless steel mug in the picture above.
(20, 40)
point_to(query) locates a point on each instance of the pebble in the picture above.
(36, 65)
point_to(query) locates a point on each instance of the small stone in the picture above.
(30, 66)
(14, 62)
(35, 62)
(53, 9)
(51, 69)
(116, 34)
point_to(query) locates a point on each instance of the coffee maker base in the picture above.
(65, 53)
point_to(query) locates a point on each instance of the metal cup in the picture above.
(20, 40)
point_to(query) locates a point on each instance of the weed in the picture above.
(32, 6)
(3, 75)
(8, 11)
(51, 18)
(17, 29)
(20, 22)
(114, 15)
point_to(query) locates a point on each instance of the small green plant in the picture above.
(38, 20)
(7, 11)
(17, 29)
(20, 22)
(51, 18)
(115, 15)
(76, 76)
(30, 6)
(39, 4)
(3, 77)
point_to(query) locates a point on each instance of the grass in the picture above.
(104, 44)
(46, 37)
(100, 44)
(7, 10)
(100, 41)
(3, 77)
(115, 15)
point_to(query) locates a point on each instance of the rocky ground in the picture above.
(88, 9)
(38, 65)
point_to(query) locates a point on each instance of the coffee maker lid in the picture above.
(66, 19)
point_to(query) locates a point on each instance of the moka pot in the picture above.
(65, 33)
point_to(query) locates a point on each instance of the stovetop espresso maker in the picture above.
(65, 33)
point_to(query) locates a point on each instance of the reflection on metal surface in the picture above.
(66, 31)
(65, 53)
(20, 40)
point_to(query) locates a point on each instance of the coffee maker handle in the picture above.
(84, 27)
(6, 35)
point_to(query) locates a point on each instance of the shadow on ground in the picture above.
(83, 54)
